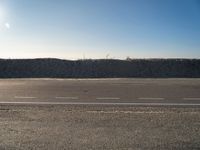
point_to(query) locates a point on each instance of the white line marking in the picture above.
(107, 98)
(67, 98)
(136, 84)
(150, 98)
(191, 98)
(22, 97)
(114, 104)
(127, 112)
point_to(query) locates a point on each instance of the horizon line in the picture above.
(128, 58)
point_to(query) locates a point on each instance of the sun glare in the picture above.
(3, 22)
(7, 25)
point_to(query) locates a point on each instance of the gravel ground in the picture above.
(98, 127)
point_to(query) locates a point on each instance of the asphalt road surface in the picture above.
(102, 115)
(101, 91)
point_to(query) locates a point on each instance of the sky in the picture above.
(93, 29)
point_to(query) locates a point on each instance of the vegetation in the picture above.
(102, 68)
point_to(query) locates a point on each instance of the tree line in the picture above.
(102, 68)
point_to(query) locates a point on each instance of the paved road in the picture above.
(101, 91)
(100, 126)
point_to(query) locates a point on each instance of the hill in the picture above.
(102, 68)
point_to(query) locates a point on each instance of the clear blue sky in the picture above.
(74, 29)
